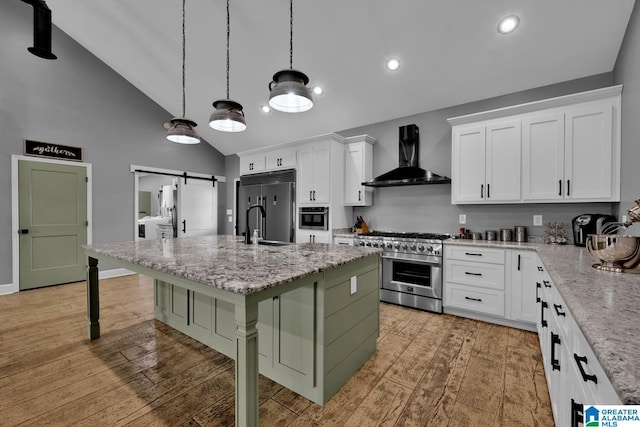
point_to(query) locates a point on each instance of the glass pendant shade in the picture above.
(289, 92)
(227, 116)
(182, 131)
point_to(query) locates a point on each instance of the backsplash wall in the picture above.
(428, 208)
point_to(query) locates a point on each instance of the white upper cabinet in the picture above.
(314, 173)
(564, 149)
(269, 160)
(358, 167)
(486, 163)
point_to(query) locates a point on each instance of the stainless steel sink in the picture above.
(273, 243)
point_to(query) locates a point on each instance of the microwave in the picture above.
(313, 218)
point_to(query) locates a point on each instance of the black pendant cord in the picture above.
(228, 35)
(183, 60)
(291, 34)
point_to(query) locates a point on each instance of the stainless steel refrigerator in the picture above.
(276, 192)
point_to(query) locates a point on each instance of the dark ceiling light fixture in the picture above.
(41, 30)
(181, 130)
(289, 91)
(228, 115)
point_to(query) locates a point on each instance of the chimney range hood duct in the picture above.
(408, 172)
(41, 30)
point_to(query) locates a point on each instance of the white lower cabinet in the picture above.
(574, 376)
(523, 290)
(345, 241)
(303, 236)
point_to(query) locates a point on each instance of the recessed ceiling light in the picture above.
(508, 24)
(393, 64)
(318, 90)
(265, 109)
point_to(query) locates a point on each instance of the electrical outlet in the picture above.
(462, 219)
(537, 220)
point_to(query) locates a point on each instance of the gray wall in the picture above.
(627, 72)
(428, 208)
(79, 101)
(232, 171)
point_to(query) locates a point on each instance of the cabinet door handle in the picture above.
(543, 322)
(314, 195)
(585, 377)
(546, 284)
(538, 286)
(488, 191)
(577, 413)
(481, 191)
(472, 274)
(310, 195)
(473, 299)
(555, 363)
(189, 303)
(359, 195)
(518, 262)
(560, 187)
(472, 254)
(568, 187)
(184, 225)
(558, 307)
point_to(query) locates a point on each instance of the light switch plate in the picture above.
(230, 219)
(462, 219)
(537, 220)
(229, 212)
(354, 284)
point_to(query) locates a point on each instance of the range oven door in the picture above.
(412, 274)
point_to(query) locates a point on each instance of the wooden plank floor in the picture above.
(429, 369)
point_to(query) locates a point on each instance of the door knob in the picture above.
(24, 231)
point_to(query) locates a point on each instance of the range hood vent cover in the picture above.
(408, 172)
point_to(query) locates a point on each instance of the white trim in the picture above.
(114, 272)
(538, 105)
(15, 220)
(235, 206)
(7, 289)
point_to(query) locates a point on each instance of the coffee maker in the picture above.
(586, 224)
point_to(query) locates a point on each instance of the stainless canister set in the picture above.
(515, 234)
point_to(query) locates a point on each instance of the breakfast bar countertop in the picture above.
(605, 306)
(226, 262)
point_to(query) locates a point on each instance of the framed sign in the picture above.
(54, 151)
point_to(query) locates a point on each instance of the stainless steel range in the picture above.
(411, 267)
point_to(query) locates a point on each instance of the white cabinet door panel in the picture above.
(503, 162)
(542, 157)
(468, 165)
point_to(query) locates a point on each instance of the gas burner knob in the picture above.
(389, 245)
(413, 247)
(404, 246)
(375, 244)
(397, 245)
(421, 248)
(368, 243)
(361, 243)
(429, 248)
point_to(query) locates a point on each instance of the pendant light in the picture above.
(289, 91)
(228, 115)
(181, 130)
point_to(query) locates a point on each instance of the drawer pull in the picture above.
(555, 363)
(472, 274)
(585, 377)
(473, 299)
(540, 268)
(558, 312)
(577, 413)
(538, 286)
(472, 254)
(543, 322)
(546, 284)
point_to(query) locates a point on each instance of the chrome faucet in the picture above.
(247, 236)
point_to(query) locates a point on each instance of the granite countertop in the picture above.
(605, 306)
(227, 263)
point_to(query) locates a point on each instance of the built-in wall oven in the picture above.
(313, 218)
(411, 268)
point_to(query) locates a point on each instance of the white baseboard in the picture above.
(115, 272)
(7, 289)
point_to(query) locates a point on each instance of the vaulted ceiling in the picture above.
(450, 54)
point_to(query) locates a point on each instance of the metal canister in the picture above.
(520, 233)
(491, 235)
(506, 235)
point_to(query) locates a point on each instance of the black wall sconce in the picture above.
(41, 29)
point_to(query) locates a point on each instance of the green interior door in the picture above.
(53, 223)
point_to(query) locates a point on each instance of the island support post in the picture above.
(93, 299)
(246, 365)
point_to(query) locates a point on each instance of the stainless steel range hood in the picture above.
(408, 172)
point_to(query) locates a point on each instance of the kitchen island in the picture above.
(300, 297)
